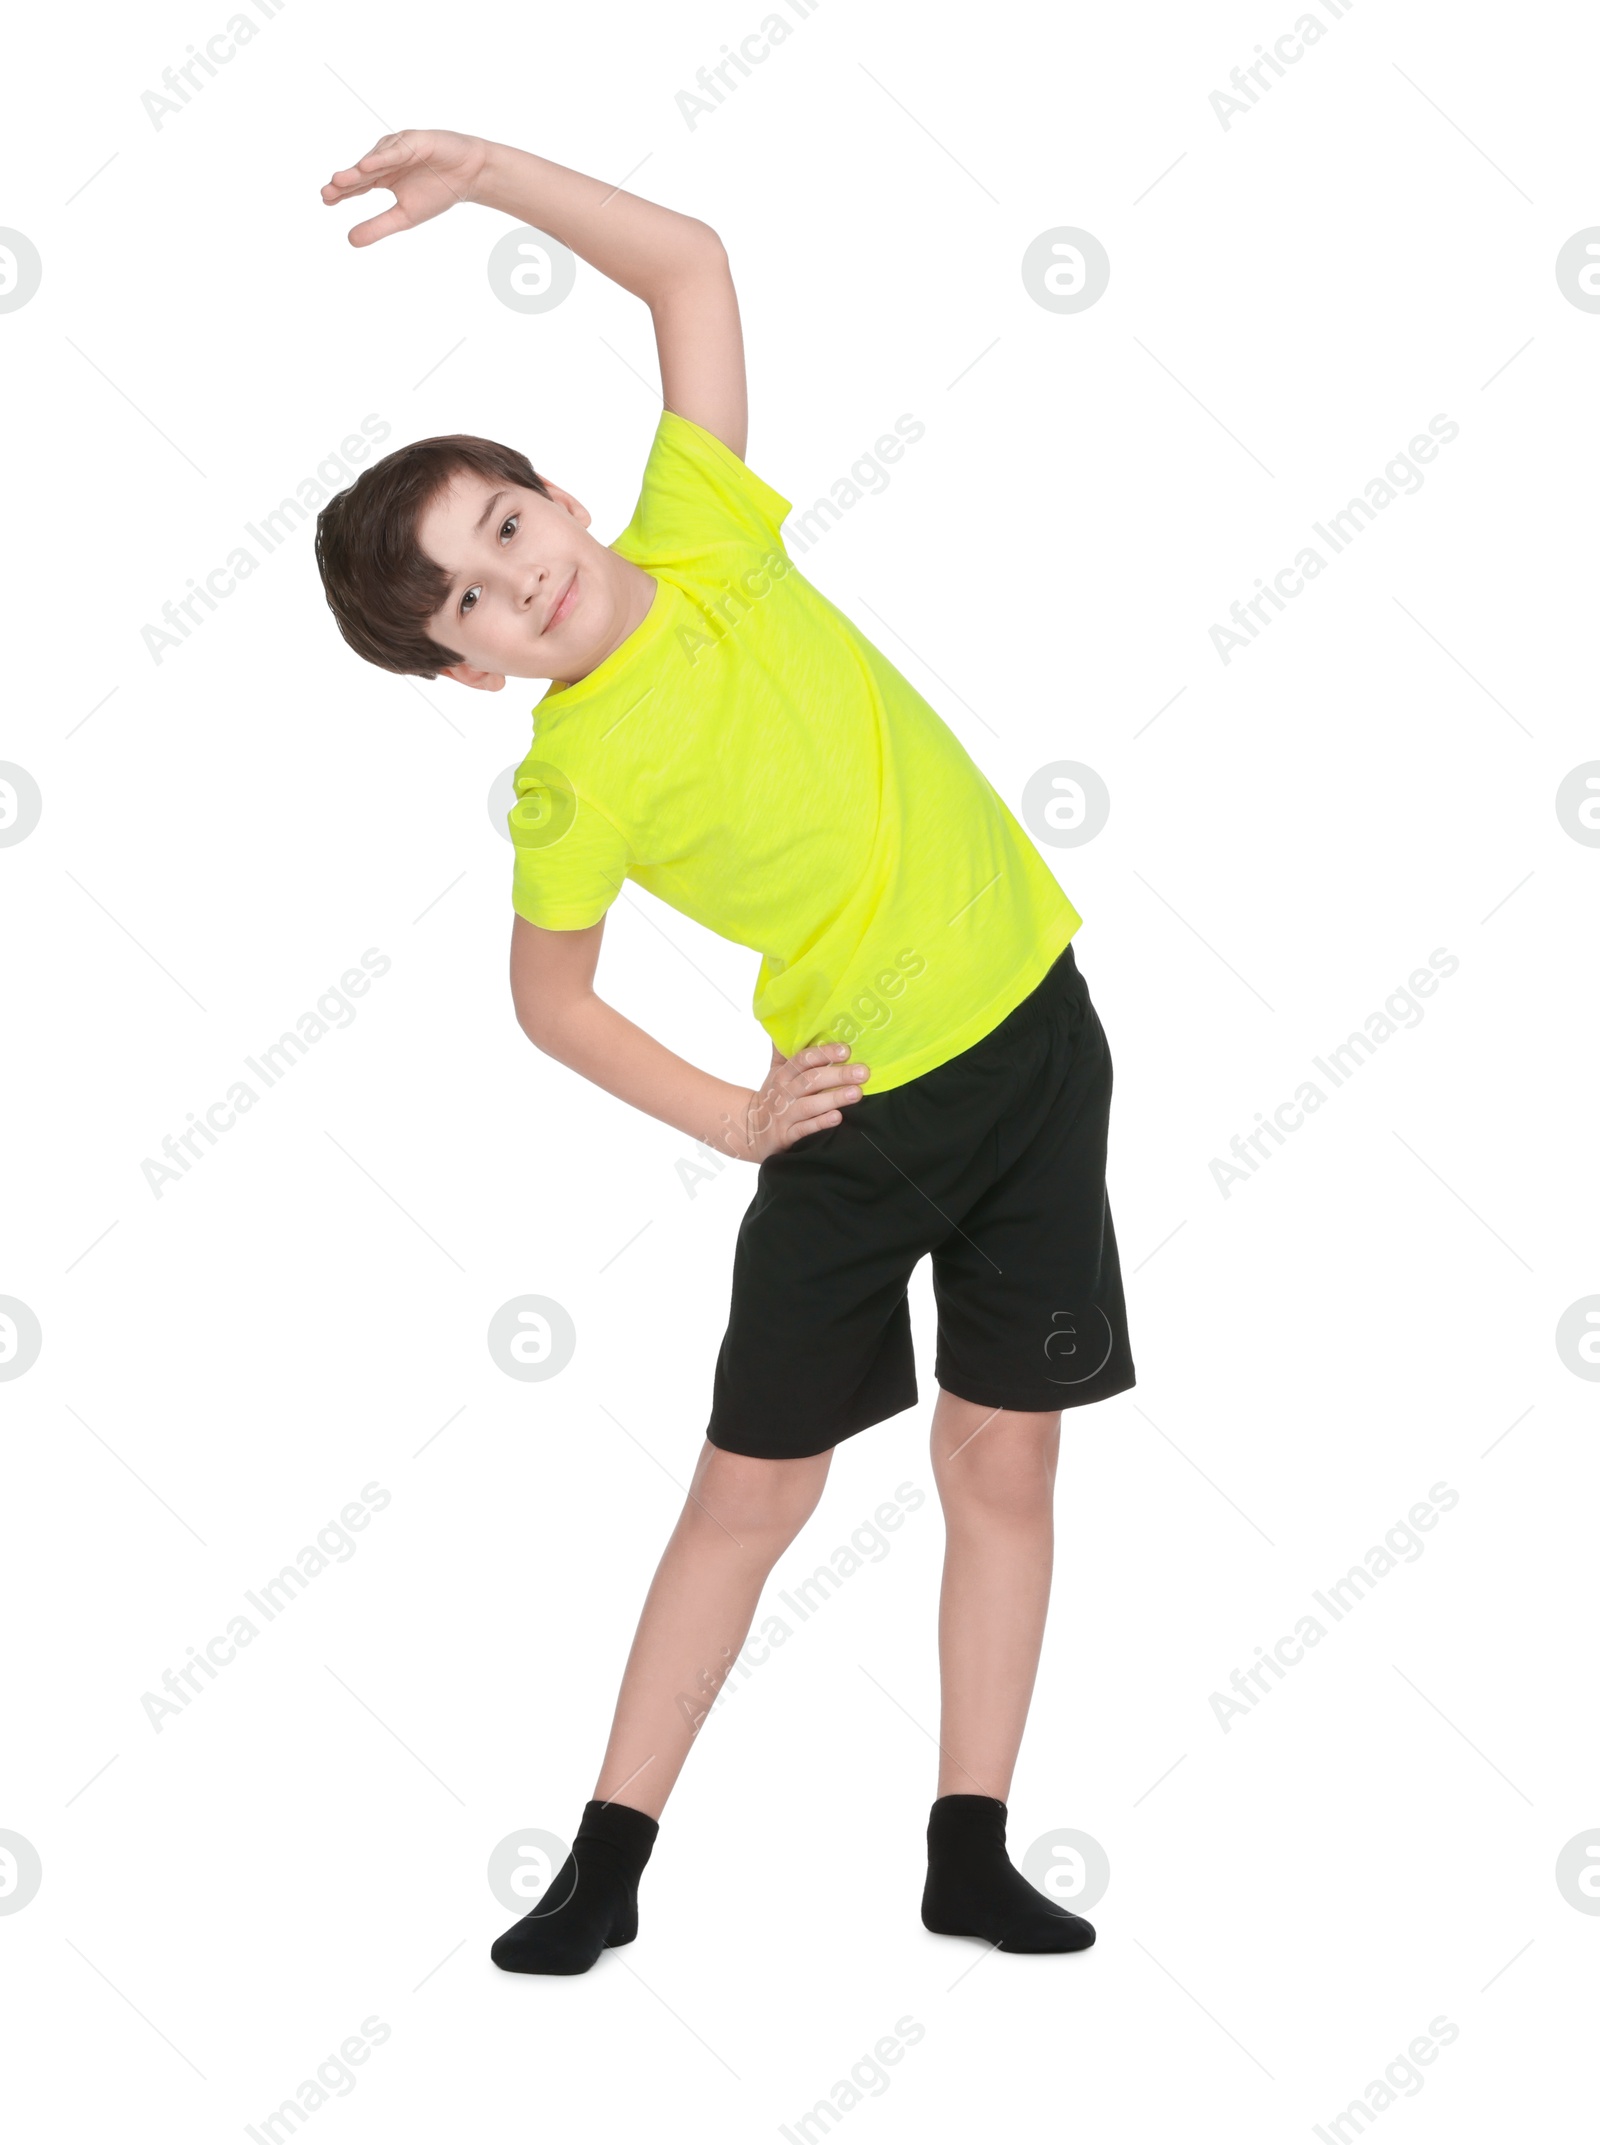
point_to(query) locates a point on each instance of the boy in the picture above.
(717, 731)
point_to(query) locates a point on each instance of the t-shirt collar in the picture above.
(560, 697)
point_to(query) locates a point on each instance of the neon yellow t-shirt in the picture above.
(750, 758)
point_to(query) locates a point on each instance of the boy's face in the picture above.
(532, 594)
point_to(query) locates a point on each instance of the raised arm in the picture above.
(676, 264)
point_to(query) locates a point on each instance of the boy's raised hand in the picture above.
(426, 171)
(799, 1096)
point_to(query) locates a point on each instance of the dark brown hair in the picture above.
(381, 586)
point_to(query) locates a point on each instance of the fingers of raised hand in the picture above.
(376, 227)
(345, 184)
(377, 168)
(391, 149)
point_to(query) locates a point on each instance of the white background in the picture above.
(1374, 1311)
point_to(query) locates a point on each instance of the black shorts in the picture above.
(993, 1164)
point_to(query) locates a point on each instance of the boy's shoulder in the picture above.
(697, 496)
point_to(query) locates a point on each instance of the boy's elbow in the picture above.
(708, 241)
(552, 975)
(535, 1019)
(545, 1018)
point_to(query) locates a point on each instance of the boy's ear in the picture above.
(483, 681)
(575, 507)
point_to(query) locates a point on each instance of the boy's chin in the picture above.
(514, 674)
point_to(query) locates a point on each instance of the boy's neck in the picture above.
(637, 593)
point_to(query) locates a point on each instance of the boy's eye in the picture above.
(469, 600)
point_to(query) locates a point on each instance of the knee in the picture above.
(762, 1504)
(1006, 1471)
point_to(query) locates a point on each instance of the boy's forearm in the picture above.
(594, 1039)
(637, 243)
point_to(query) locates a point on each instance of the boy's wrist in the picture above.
(732, 1133)
(490, 179)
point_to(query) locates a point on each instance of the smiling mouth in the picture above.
(564, 607)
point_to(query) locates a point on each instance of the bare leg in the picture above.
(739, 1517)
(995, 1469)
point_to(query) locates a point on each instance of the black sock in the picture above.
(973, 1889)
(591, 1902)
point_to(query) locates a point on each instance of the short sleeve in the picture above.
(570, 859)
(698, 497)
